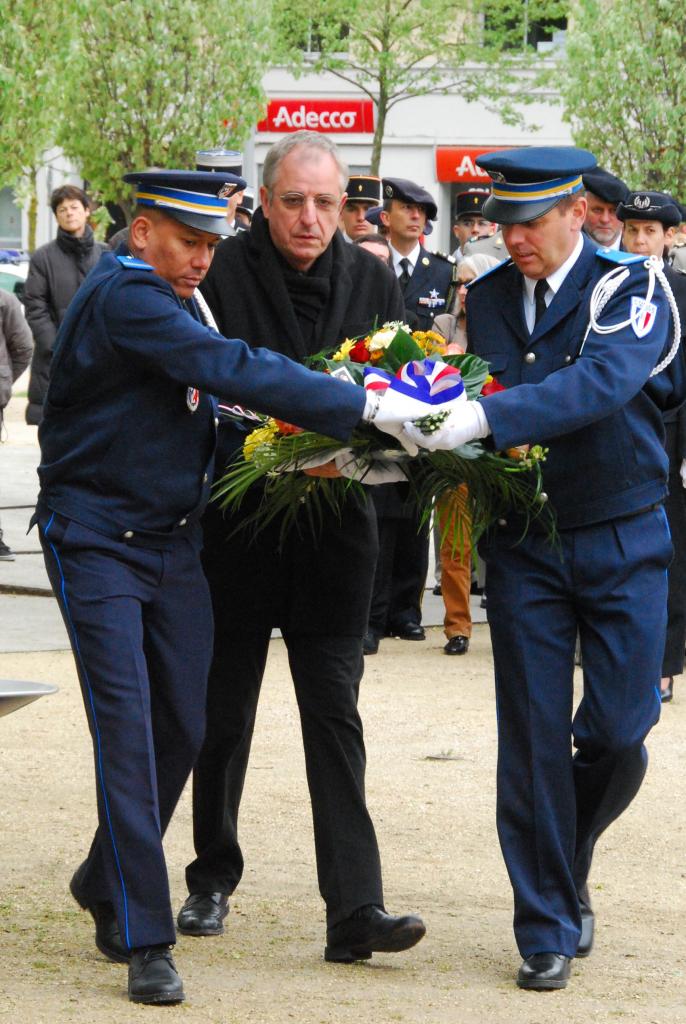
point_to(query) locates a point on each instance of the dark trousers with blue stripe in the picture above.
(610, 582)
(140, 625)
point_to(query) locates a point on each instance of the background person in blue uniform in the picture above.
(650, 220)
(597, 408)
(424, 276)
(127, 449)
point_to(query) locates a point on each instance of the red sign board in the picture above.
(458, 163)
(319, 116)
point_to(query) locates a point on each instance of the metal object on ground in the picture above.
(15, 693)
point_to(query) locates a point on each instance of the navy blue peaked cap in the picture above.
(196, 198)
(529, 182)
(651, 206)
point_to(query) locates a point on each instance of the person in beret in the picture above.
(590, 383)
(363, 194)
(650, 221)
(603, 192)
(127, 461)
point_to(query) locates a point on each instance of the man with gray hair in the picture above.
(292, 284)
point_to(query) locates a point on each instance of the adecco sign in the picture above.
(458, 163)
(319, 116)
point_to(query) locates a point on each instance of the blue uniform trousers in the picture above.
(140, 625)
(609, 581)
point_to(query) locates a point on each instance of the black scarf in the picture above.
(79, 249)
(309, 292)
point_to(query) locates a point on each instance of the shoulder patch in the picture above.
(487, 273)
(131, 263)
(615, 256)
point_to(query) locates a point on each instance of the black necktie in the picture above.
(404, 278)
(539, 298)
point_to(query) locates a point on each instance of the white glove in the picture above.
(389, 411)
(378, 471)
(466, 422)
(682, 472)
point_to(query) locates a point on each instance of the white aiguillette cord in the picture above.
(233, 411)
(608, 285)
(205, 310)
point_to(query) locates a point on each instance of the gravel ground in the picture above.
(430, 732)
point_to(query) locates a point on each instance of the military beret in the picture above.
(364, 188)
(606, 186)
(470, 201)
(650, 206)
(196, 198)
(409, 192)
(373, 216)
(529, 182)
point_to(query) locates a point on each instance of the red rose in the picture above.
(492, 386)
(359, 353)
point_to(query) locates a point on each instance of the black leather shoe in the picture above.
(408, 631)
(457, 645)
(544, 971)
(370, 643)
(203, 913)
(668, 692)
(437, 590)
(371, 930)
(153, 977)
(587, 924)
(107, 937)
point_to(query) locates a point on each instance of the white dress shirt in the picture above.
(554, 280)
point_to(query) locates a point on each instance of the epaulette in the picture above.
(678, 245)
(615, 256)
(487, 273)
(445, 256)
(131, 263)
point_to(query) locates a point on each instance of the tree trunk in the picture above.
(378, 133)
(33, 210)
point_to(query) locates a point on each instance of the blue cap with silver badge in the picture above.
(196, 198)
(529, 182)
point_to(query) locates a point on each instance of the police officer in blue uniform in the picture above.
(127, 449)
(575, 334)
(424, 276)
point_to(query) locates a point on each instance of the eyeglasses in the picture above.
(296, 201)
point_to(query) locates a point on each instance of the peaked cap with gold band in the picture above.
(364, 188)
(529, 182)
(196, 198)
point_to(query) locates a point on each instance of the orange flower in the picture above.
(287, 428)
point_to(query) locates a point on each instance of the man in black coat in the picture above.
(56, 272)
(292, 284)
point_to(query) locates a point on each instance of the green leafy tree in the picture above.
(624, 88)
(158, 79)
(396, 49)
(34, 40)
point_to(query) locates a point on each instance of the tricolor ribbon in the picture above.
(431, 383)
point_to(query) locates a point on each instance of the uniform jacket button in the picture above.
(205, 478)
(129, 534)
(568, 358)
(502, 522)
(530, 357)
(182, 522)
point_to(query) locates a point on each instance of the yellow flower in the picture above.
(262, 435)
(343, 350)
(429, 341)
